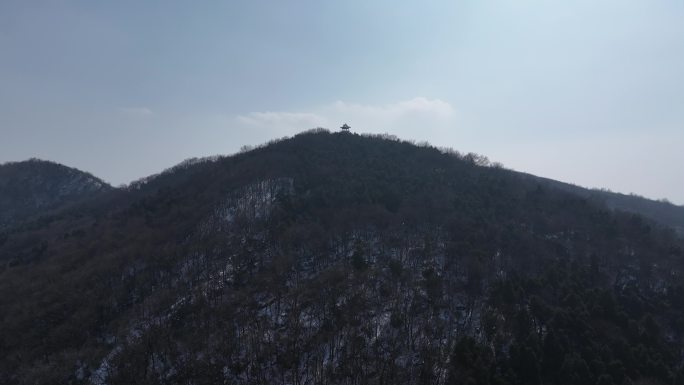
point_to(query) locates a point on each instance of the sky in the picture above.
(584, 91)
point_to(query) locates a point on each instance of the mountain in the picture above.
(342, 259)
(661, 211)
(34, 187)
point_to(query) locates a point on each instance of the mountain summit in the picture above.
(340, 258)
(36, 186)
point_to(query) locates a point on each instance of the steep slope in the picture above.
(35, 187)
(341, 259)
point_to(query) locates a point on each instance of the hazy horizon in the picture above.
(583, 92)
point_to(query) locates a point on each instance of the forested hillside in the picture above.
(661, 211)
(35, 187)
(336, 258)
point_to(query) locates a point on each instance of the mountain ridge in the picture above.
(661, 211)
(32, 187)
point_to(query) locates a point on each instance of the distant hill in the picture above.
(35, 187)
(337, 258)
(660, 211)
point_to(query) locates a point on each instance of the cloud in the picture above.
(400, 117)
(282, 119)
(419, 105)
(135, 111)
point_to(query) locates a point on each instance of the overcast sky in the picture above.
(584, 91)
